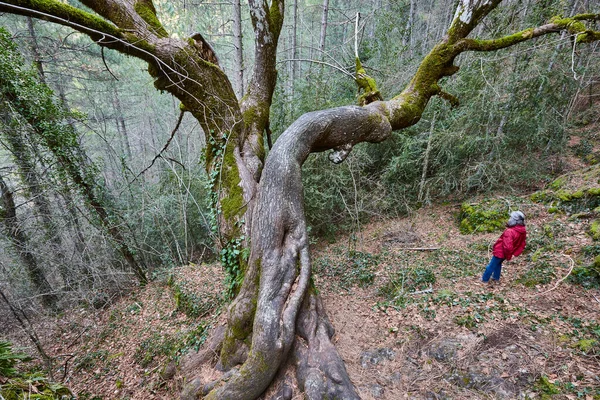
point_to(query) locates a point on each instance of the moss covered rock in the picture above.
(594, 230)
(487, 216)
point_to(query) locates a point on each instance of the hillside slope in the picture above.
(411, 319)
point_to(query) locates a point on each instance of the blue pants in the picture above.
(493, 269)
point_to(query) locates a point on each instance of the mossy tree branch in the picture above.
(572, 25)
(406, 108)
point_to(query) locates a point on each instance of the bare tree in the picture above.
(276, 311)
(8, 216)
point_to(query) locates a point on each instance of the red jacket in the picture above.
(511, 242)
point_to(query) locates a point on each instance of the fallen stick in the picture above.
(419, 248)
(561, 279)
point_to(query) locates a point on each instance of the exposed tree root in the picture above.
(320, 370)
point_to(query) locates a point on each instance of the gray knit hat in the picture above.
(516, 218)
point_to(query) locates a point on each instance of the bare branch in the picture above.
(159, 155)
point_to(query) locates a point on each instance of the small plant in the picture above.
(156, 345)
(191, 303)
(406, 281)
(90, 360)
(539, 274)
(361, 268)
(16, 385)
(9, 359)
(469, 321)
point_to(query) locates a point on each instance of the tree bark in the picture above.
(323, 35)
(238, 60)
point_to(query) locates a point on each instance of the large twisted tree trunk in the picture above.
(276, 313)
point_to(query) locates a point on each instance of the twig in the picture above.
(156, 157)
(105, 64)
(430, 290)
(419, 248)
(356, 35)
(65, 369)
(78, 336)
(561, 279)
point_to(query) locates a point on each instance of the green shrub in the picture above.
(9, 359)
(25, 385)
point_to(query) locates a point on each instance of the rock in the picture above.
(436, 396)
(168, 372)
(374, 357)
(488, 384)
(192, 390)
(285, 392)
(374, 390)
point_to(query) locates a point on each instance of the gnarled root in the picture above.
(320, 370)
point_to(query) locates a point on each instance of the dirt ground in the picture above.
(412, 319)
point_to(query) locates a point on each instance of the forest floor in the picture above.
(412, 319)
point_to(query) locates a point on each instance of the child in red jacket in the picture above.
(511, 243)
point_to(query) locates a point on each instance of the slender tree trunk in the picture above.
(17, 236)
(410, 26)
(120, 122)
(23, 158)
(323, 35)
(238, 59)
(37, 59)
(426, 160)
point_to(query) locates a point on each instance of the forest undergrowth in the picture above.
(412, 319)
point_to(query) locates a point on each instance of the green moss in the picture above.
(256, 119)
(564, 195)
(233, 202)
(558, 183)
(543, 196)
(579, 194)
(488, 216)
(586, 345)
(146, 10)
(74, 14)
(553, 210)
(594, 230)
(367, 84)
(593, 192)
(545, 388)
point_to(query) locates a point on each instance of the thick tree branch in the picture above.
(571, 25)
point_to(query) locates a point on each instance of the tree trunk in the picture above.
(238, 60)
(23, 158)
(37, 59)
(120, 123)
(323, 27)
(17, 236)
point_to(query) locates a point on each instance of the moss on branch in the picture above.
(573, 25)
(63, 14)
(367, 84)
(146, 10)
